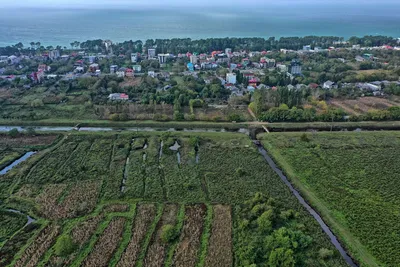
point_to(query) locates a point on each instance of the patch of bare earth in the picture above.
(21, 141)
(186, 254)
(32, 255)
(157, 248)
(116, 208)
(80, 200)
(107, 244)
(144, 217)
(220, 244)
(348, 110)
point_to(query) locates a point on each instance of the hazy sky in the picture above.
(169, 3)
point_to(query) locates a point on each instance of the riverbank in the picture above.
(273, 127)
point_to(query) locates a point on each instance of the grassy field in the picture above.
(353, 180)
(122, 199)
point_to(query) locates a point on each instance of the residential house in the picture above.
(13, 60)
(134, 57)
(129, 73)
(113, 68)
(79, 70)
(290, 87)
(151, 74)
(93, 67)
(137, 68)
(328, 85)
(43, 67)
(223, 82)
(282, 68)
(121, 72)
(2, 70)
(65, 57)
(118, 96)
(231, 78)
(268, 62)
(38, 76)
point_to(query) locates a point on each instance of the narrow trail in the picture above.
(302, 201)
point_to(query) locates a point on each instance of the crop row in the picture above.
(39, 246)
(107, 244)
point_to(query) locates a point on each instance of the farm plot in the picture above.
(157, 250)
(107, 244)
(190, 240)
(145, 215)
(39, 246)
(362, 105)
(80, 199)
(14, 244)
(220, 244)
(353, 179)
(141, 225)
(10, 222)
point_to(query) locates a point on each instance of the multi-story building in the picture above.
(193, 59)
(162, 58)
(54, 54)
(134, 57)
(231, 78)
(151, 53)
(295, 67)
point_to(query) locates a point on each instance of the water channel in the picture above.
(16, 162)
(313, 213)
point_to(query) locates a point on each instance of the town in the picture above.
(335, 79)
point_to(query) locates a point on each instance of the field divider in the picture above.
(149, 235)
(178, 229)
(126, 236)
(205, 237)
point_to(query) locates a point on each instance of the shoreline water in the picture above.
(60, 27)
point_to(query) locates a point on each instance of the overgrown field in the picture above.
(155, 199)
(353, 179)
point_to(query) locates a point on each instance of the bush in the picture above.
(234, 117)
(13, 133)
(114, 117)
(64, 246)
(178, 116)
(240, 171)
(325, 253)
(168, 233)
(123, 117)
(304, 138)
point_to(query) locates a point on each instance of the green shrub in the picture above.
(325, 253)
(13, 133)
(64, 246)
(168, 233)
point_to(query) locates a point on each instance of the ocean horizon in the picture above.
(52, 26)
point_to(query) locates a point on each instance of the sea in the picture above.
(56, 26)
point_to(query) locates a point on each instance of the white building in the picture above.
(54, 54)
(231, 78)
(151, 74)
(151, 53)
(134, 57)
(162, 58)
(193, 59)
(328, 85)
(228, 51)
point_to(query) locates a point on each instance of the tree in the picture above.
(281, 257)
(168, 233)
(13, 133)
